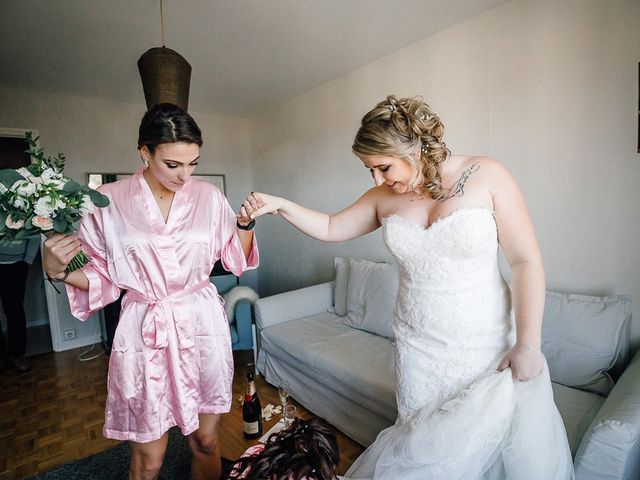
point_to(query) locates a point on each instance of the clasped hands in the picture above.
(525, 363)
(256, 205)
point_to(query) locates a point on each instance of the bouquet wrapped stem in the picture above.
(79, 261)
(39, 199)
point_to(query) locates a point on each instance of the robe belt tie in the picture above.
(154, 325)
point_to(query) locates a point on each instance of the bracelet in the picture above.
(528, 347)
(59, 280)
(249, 226)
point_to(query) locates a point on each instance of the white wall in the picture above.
(547, 87)
(101, 136)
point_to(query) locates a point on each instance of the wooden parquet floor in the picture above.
(54, 414)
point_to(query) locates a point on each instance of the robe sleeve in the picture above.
(102, 290)
(228, 245)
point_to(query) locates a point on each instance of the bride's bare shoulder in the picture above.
(485, 167)
(379, 192)
(463, 162)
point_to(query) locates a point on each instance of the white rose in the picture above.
(21, 202)
(87, 205)
(26, 189)
(18, 184)
(49, 174)
(43, 207)
(43, 223)
(36, 180)
(14, 225)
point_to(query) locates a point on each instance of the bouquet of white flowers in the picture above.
(40, 199)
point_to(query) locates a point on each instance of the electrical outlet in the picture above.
(70, 334)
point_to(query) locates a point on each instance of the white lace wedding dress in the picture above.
(458, 418)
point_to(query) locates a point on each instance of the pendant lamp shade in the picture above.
(166, 76)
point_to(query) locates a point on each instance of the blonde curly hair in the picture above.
(406, 128)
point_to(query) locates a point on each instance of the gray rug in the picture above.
(114, 463)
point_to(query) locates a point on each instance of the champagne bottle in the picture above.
(251, 410)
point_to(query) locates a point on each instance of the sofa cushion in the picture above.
(583, 337)
(342, 266)
(578, 409)
(371, 297)
(355, 364)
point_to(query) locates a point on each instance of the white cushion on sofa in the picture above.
(371, 297)
(582, 338)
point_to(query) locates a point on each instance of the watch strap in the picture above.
(249, 226)
(59, 280)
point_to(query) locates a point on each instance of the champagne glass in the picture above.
(283, 392)
(288, 415)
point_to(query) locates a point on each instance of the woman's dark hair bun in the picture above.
(167, 123)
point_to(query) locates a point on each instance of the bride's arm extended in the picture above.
(518, 241)
(354, 221)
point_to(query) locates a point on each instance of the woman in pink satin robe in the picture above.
(171, 361)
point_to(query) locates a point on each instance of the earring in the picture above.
(145, 162)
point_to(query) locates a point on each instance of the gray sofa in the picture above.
(315, 338)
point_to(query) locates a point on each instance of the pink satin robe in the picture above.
(171, 358)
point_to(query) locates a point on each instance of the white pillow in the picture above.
(341, 281)
(233, 296)
(584, 337)
(371, 297)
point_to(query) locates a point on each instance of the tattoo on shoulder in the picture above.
(457, 189)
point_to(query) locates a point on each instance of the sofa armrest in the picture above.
(293, 304)
(610, 449)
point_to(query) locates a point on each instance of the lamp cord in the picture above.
(162, 22)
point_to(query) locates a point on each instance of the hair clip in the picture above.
(424, 148)
(392, 108)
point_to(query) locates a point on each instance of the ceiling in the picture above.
(246, 55)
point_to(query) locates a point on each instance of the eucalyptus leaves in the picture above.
(40, 199)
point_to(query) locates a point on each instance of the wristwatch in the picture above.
(59, 280)
(249, 226)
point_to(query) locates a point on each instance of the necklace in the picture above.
(160, 196)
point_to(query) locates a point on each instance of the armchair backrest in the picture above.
(224, 283)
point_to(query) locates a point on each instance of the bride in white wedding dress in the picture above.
(472, 386)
